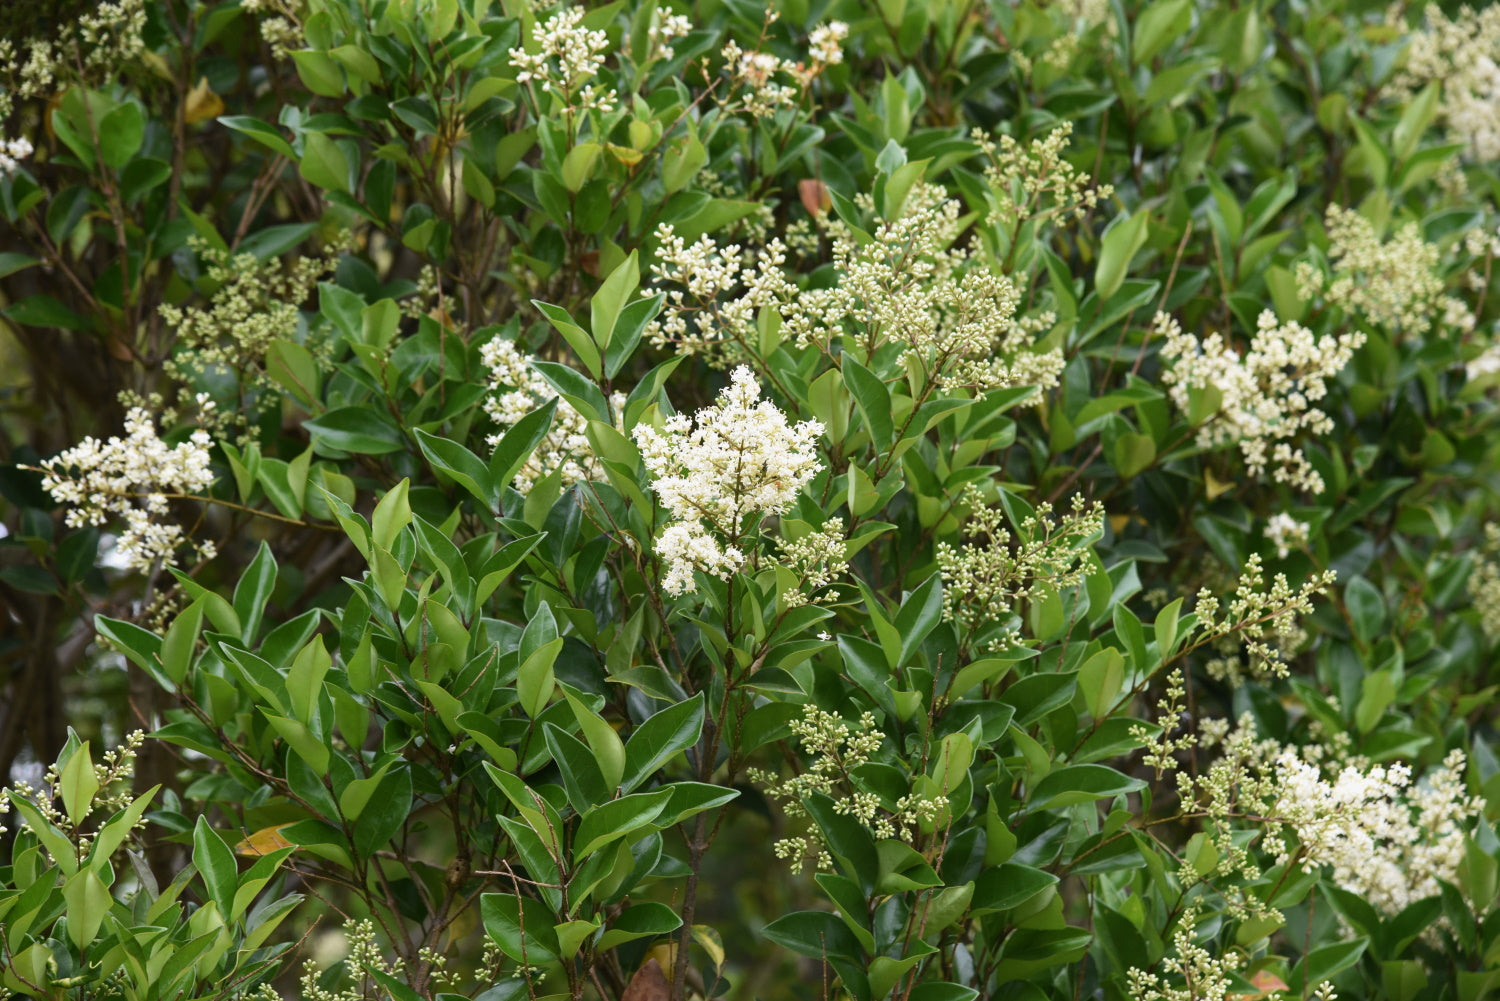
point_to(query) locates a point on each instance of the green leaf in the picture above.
(1081, 784)
(215, 863)
(659, 738)
(582, 344)
(581, 776)
(1121, 240)
(79, 784)
(319, 73)
(891, 157)
(576, 388)
(1158, 25)
(578, 165)
(517, 444)
(1366, 608)
(1101, 678)
(324, 163)
(88, 901)
(873, 398)
(608, 748)
(617, 819)
(253, 591)
(505, 915)
(815, 934)
(385, 814)
(391, 515)
(359, 430)
(1325, 963)
(919, 615)
(461, 465)
(11, 262)
(261, 132)
(644, 920)
(681, 161)
(604, 309)
(1008, 885)
(121, 133)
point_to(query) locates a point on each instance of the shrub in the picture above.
(911, 500)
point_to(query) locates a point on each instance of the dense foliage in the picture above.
(917, 500)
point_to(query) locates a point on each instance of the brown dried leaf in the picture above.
(815, 197)
(648, 984)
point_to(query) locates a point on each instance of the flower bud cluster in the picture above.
(736, 461)
(134, 479)
(1263, 620)
(987, 578)
(1204, 976)
(817, 560)
(515, 391)
(1391, 283)
(1265, 398)
(96, 46)
(280, 24)
(565, 57)
(1484, 583)
(1034, 181)
(363, 954)
(112, 775)
(254, 303)
(835, 751)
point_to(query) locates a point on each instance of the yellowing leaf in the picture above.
(1213, 487)
(264, 841)
(711, 943)
(202, 103)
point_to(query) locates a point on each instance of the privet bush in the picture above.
(646, 501)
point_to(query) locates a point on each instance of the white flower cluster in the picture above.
(825, 46)
(1265, 398)
(1486, 363)
(753, 75)
(1391, 283)
(1382, 837)
(665, 29)
(1463, 54)
(515, 391)
(737, 460)
(12, 152)
(567, 57)
(986, 578)
(723, 328)
(1285, 533)
(958, 321)
(133, 478)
